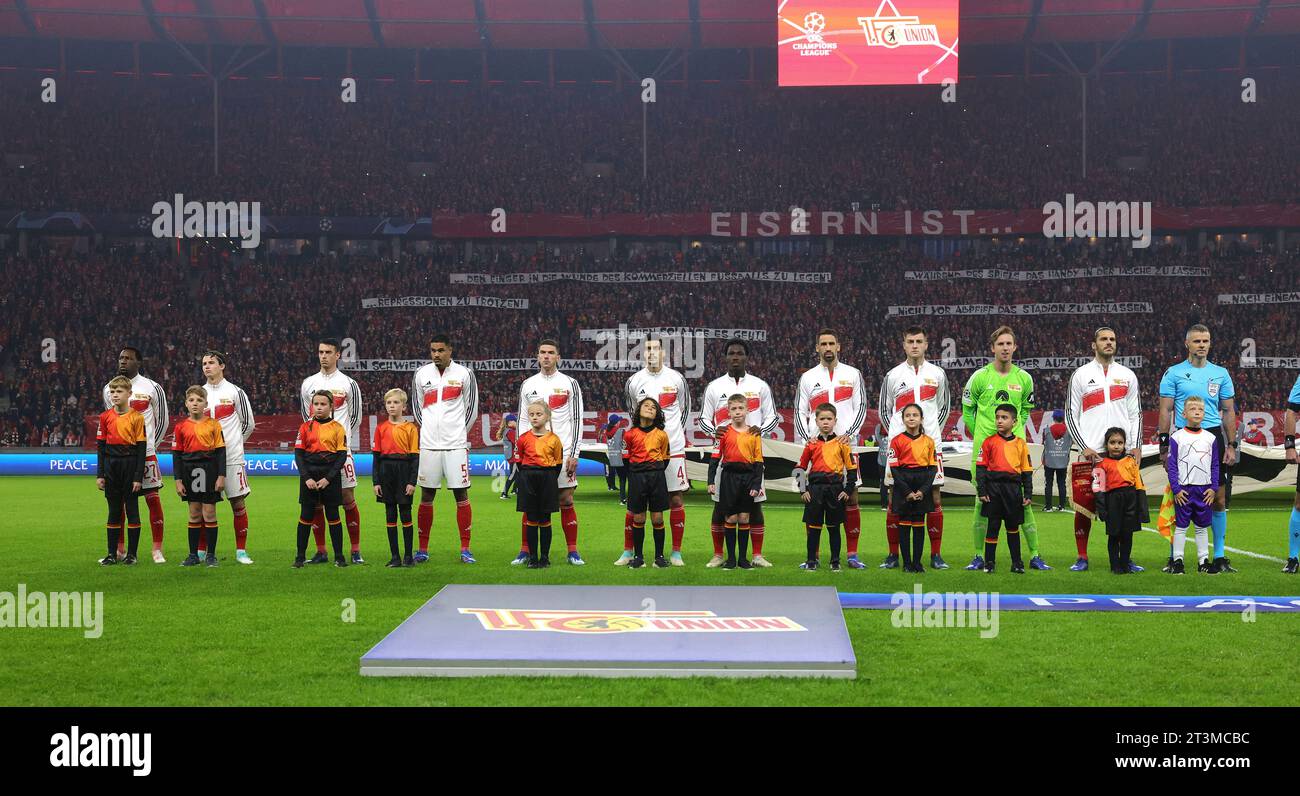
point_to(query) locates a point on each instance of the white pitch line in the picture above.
(1231, 549)
(1225, 547)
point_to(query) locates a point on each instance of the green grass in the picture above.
(271, 635)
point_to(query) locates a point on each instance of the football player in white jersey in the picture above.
(1102, 394)
(667, 386)
(347, 411)
(917, 381)
(833, 382)
(563, 397)
(444, 398)
(149, 399)
(229, 405)
(714, 419)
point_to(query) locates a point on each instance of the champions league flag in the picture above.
(1165, 522)
(1082, 499)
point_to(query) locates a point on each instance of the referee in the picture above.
(1213, 384)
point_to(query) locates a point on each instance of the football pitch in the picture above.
(267, 634)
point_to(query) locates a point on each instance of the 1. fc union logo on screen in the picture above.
(588, 622)
(896, 30)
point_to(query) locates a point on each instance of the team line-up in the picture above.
(1197, 425)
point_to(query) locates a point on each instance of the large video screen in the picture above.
(866, 42)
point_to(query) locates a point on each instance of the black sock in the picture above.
(659, 540)
(638, 539)
(304, 533)
(209, 530)
(814, 537)
(1126, 549)
(918, 542)
(991, 541)
(392, 539)
(729, 534)
(905, 543)
(743, 539)
(407, 530)
(114, 534)
(132, 511)
(833, 531)
(336, 537)
(195, 532)
(390, 523)
(534, 549)
(546, 540)
(1013, 544)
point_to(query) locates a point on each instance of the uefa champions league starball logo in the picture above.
(813, 42)
(813, 25)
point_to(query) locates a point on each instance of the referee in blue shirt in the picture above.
(1212, 383)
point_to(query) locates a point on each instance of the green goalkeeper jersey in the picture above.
(987, 388)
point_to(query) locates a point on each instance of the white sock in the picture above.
(1202, 544)
(1180, 543)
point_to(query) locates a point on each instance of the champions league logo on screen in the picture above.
(874, 42)
(814, 22)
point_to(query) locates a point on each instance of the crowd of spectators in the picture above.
(121, 144)
(66, 316)
(115, 144)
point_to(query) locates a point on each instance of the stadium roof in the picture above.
(624, 24)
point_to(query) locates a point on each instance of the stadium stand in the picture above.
(267, 316)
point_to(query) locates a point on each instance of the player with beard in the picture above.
(1103, 394)
(840, 385)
